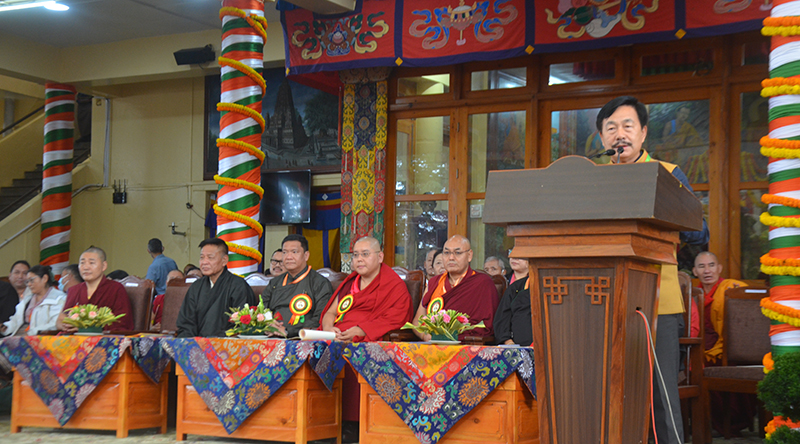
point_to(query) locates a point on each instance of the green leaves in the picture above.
(89, 315)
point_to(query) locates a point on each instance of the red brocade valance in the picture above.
(442, 32)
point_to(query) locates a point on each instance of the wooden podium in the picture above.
(595, 236)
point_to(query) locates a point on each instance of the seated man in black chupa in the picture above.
(207, 301)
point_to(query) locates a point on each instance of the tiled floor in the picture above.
(149, 436)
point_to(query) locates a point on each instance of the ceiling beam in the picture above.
(326, 7)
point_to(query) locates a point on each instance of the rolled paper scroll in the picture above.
(317, 335)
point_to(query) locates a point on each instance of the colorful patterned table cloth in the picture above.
(432, 387)
(234, 377)
(64, 370)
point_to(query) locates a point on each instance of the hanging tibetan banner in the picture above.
(444, 32)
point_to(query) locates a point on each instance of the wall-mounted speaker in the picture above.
(194, 56)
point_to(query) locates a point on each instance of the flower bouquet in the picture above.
(249, 320)
(443, 325)
(90, 318)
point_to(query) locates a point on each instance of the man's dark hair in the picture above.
(117, 275)
(217, 242)
(609, 108)
(154, 245)
(44, 271)
(279, 250)
(296, 238)
(23, 262)
(73, 270)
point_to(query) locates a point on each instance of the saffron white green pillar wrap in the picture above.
(59, 129)
(782, 147)
(241, 125)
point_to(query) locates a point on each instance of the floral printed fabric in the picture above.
(63, 370)
(432, 387)
(327, 361)
(234, 377)
(150, 357)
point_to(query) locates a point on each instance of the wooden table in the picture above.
(300, 411)
(125, 400)
(507, 415)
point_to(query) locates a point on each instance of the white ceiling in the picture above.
(89, 22)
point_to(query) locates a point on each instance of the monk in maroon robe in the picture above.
(370, 302)
(98, 290)
(461, 289)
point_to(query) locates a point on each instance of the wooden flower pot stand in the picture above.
(125, 400)
(300, 411)
(507, 415)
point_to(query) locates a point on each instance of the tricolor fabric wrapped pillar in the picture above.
(59, 130)
(241, 125)
(782, 146)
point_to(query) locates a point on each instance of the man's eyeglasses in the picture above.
(274, 262)
(456, 253)
(364, 254)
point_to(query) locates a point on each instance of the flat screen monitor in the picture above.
(287, 197)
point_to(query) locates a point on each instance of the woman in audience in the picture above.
(39, 311)
(438, 263)
(519, 269)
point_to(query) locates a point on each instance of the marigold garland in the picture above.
(769, 142)
(781, 271)
(782, 222)
(780, 313)
(781, 21)
(775, 262)
(249, 221)
(239, 183)
(244, 69)
(769, 364)
(255, 21)
(780, 81)
(243, 146)
(780, 152)
(244, 250)
(780, 200)
(784, 31)
(780, 90)
(241, 109)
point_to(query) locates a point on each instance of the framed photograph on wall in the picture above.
(302, 124)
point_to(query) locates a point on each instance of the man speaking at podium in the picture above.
(622, 124)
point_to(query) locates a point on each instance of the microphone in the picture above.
(603, 153)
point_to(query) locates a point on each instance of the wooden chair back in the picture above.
(415, 282)
(401, 271)
(745, 330)
(690, 387)
(173, 299)
(141, 293)
(335, 277)
(258, 279)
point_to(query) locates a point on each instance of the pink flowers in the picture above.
(260, 317)
(235, 317)
(462, 319)
(445, 316)
(75, 316)
(92, 314)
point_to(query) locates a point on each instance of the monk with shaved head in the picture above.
(708, 270)
(372, 301)
(461, 289)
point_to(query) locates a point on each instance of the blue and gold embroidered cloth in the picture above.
(64, 370)
(432, 387)
(234, 377)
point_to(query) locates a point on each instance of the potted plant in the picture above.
(252, 321)
(90, 318)
(444, 325)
